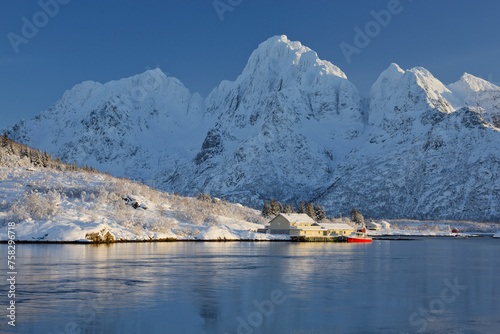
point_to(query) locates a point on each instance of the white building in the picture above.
(371, 225)
(385, 225)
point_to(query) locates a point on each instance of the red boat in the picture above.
(359, 236)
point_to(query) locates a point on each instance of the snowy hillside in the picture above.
(60, 204)
(292, 127)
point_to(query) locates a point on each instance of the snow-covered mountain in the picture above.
(280, 128)
(428, 153)
(292, 127)
(132, 127)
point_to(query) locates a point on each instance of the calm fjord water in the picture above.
(431, 285)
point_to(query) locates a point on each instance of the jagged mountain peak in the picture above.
(81, 91)
(469, 83)
(476, 83)
(394, 77)
(394, 71)
(406, 94)
(476, 92)
(388, 79)
(135, 88)
(284, 80)
(287, 59)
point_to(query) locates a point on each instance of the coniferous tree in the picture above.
(23, 152)
(204, 197)
(274, 208)
(356, 216)
(45, 158)
(265, 210)
(10, 149)
(302, 208)
(38, 158)
(319, 212)
(287, 208)
(280, 207)
(5, 140)
(33, 157)
(59, 163)
(310, 210)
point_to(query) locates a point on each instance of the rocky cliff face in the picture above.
(292, 127)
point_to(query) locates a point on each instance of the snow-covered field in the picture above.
(49, 205)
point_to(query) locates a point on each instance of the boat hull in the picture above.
(358, 240)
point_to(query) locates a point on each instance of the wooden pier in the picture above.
(319, 239)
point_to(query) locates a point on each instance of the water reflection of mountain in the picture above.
(223, 287)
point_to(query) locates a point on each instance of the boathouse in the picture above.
(282, 223)
(301, 225)
(337, 229)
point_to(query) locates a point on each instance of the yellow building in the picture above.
(299, 224)
(337, 229)
(282, 223)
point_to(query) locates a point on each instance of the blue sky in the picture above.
(107, 40)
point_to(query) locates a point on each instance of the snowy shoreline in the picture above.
(88, 242)
(422, 236)
(279, 238)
